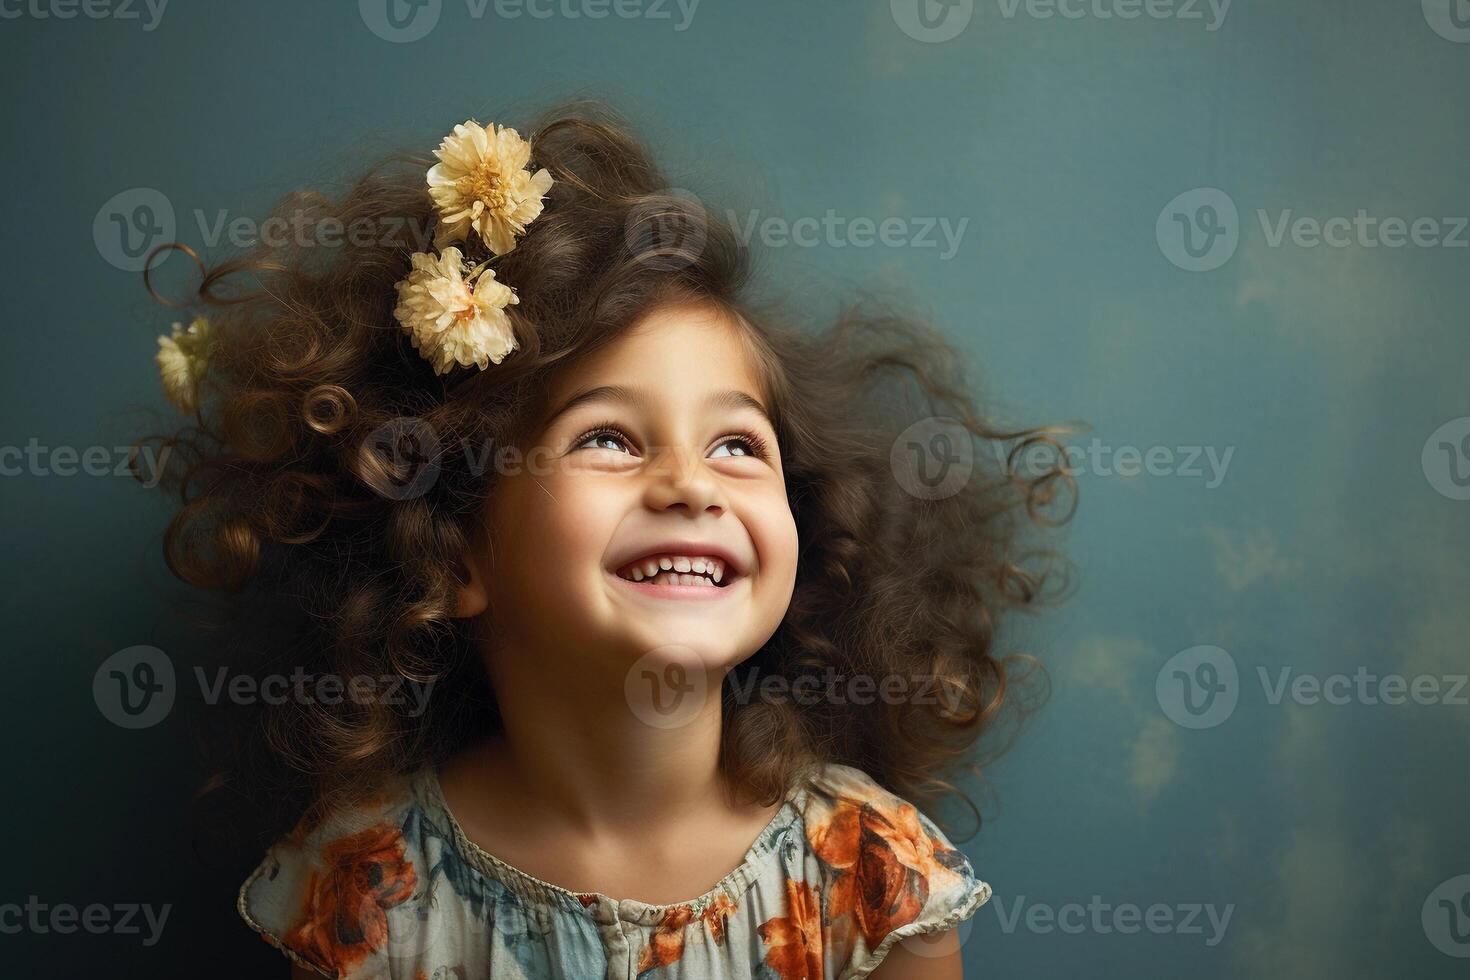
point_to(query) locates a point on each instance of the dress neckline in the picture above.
(597, 904)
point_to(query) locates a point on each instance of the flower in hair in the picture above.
(481, 182)
(454, 316)
(182, 359)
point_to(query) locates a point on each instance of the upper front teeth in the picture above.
(649, 567)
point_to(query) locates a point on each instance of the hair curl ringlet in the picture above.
(148, 270)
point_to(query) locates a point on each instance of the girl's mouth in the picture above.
(679, 577)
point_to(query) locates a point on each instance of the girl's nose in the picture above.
(679, 477)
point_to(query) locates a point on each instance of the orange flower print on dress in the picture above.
(886, 864)
(795, 938)
(666, 944)
(344, 914)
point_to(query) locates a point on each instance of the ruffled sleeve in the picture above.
(886, 872)
(323, 897)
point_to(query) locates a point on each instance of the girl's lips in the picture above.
(699, 593)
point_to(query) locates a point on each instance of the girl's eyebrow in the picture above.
(729, 399)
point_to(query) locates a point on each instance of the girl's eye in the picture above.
(754, 445)
(607, 436)
(601, 435)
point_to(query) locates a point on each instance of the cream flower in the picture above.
(453, 316)
(182, 359)
(481, 183)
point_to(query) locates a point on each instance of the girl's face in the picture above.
(656, 446)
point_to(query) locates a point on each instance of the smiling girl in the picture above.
(702, 619)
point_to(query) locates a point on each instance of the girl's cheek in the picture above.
(581, 513)
(773, 527)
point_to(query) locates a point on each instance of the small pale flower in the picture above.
(454, 316)
(182, 359)
(481, 182)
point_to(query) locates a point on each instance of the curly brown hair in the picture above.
(304, 503)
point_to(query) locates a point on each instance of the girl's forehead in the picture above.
(686, 347)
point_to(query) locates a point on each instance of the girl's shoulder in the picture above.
(835, 798)
(321, 893)
(878, 869)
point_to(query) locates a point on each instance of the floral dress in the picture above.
(843, 871)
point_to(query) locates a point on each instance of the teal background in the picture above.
(1325, 548)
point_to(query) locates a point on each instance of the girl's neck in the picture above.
(579, 758)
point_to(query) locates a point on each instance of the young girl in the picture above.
(629, 620)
